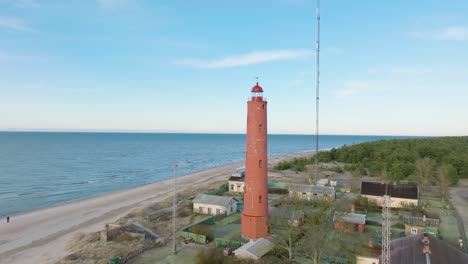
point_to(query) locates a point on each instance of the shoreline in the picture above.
(273, 158)
(41, 235)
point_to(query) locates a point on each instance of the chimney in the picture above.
(424, 218)
(352, 208)
(394, 183)
(370, 243)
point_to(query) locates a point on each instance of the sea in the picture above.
(42, 169)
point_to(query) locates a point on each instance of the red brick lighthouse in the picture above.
(255, 214)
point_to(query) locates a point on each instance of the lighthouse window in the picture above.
(260, 128)
(263, 106)
(260, 163)
(260, 199)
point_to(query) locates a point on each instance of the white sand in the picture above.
(41, 236)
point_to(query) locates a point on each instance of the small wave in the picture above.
(25, 193)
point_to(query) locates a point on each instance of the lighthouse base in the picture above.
(254, 227)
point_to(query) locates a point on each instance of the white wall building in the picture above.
(311, 192)
(236, 184)
(214, 204)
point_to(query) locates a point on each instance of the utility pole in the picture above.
(317, 95)
(386, 223)
(174, 210)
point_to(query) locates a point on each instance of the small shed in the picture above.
(311, 192)
(350, 222)
(236, 183)
(214, 204)
(417, 225)
(255, 249)
(323, 182)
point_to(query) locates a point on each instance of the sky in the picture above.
(387, 67)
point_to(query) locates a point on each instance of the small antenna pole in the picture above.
(317, 94)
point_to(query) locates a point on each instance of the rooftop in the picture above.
(408, 191)
(324, 190)
(409, 249)
(286, 213)
(420, 221)
(257, 89)
(351, 218)
(254, 249)
(213, 199)
(236, 178)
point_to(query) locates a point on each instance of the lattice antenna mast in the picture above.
(317, 95)
(386, 223)
(174, 210)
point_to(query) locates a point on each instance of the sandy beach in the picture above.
(41, 236)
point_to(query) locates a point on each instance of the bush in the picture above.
(211, 256)
(124, 237)
(203, 229)
(337, 169)
(184, 212)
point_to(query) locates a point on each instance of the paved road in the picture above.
(459, 199)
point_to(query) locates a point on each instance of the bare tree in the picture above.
(443, 181)
(286, 226)
(320, 236)
(311, 171)
(384, 175)
(355, 182)
(424, 172)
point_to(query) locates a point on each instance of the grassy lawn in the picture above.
(377, 231)
(164, 255)
(232, 218)
(228, 228)
(228, 232)
(449, 229)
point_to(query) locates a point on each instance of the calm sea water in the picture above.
(42, 169)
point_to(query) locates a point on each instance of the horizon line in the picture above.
(188, 132)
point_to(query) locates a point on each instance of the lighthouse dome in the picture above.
(257, 89)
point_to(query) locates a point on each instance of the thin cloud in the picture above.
(250, 58)
(352, 87)
(112, 4)
(21, 3)
(27, 4)
(13, 24)
(453, 33)
(420, 70)
(450, 33)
